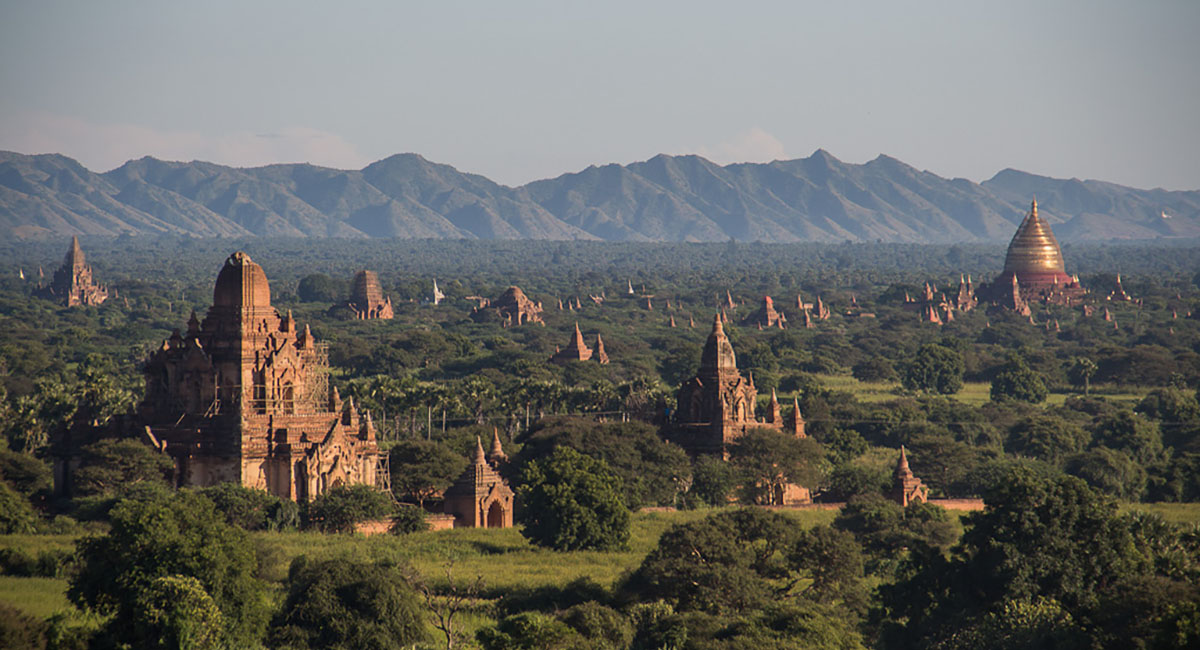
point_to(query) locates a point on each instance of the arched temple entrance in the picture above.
(495, 516)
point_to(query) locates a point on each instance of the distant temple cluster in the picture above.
(1034, 275)
(242, 396)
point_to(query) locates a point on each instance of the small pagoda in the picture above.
(480, 497)
(906, 487)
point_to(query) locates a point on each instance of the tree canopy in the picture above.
(933, 369)
(573, 502)
(176, 535)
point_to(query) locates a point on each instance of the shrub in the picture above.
(408, 520)
(339, 509)
(244, 507)
(183, 535)
(341, 603)
(20, 630)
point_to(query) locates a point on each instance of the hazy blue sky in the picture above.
(524, 90)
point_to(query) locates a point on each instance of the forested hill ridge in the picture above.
(666, 198)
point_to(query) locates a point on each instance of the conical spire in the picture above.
(480, 458)
(718, 354)
(902, 465)
(497, 452)
(796, 420)
(1033, 248)
(598, 353)
(74, 257)
(773, 409)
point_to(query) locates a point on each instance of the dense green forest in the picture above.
(1051, 420)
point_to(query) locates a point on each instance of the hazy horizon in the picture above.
(1098, 90)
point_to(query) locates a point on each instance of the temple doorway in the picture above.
(495, 515)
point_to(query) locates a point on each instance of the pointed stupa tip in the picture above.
(902, 465)
(718, 328)
(480, 458)
(774, 398)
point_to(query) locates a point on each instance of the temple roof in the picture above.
(241, 283)
(74, 258)
(902, 469)
(1033, 248)
(718, 352)
(366, 289)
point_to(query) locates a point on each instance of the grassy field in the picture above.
(38, 596)
(1179, 513)
(973, 393)
(503, 558)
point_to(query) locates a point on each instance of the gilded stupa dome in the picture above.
(1034, 250)
(241, 283)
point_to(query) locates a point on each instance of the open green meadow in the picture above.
(973, 393)
(502, 558)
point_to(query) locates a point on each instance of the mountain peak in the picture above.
(823, 155)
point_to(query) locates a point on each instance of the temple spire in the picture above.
(480, 458)
(497, 452)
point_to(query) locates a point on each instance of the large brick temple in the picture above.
(717, 406)
(243, 397)
(73, 284)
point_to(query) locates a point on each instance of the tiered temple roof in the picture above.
(576, 349)
(766, 315)
(513, 307)
(367, 298)
(73, 284)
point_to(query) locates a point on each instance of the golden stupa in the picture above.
(1034, 270)
(1034, 251)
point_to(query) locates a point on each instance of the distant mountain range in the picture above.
(666, 198)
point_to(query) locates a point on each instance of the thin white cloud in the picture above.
(105, 146)
(754, 145)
